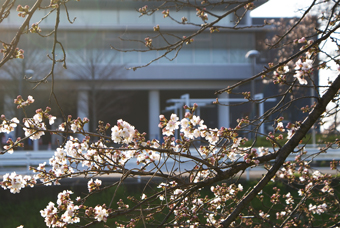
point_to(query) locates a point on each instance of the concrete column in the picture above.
(248, 19)
(9, 111)
(223, 112)
(260, 109)
(186, 101)
(56, 140)
(83, 106)
(36, 144)
(154, 112)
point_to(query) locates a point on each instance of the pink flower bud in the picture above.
(187, 115)
(302, 40)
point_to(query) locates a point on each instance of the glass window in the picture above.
(76, 40)
(159, 17)
(227, 21)
(241, 40)
(148, 56)
(202, 55)
(240, 44)
(133, 17)
(238, 56)
(185, 55)
(220, 56)
(193, 18)
(130, 57)
(202, 48)
(220, 51)
(107, 17)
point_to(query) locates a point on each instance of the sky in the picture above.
(280, 8)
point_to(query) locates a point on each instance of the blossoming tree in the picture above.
(178, 200)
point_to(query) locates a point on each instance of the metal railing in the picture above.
(22, 160)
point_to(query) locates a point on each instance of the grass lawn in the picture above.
(24, 208)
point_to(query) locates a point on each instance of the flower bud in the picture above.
(302, 40)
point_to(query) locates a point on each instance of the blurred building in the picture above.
(212, 62)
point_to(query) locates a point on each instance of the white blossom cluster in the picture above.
(30, 100)
(190, 206)
(15, 182)
(164, 186)
(35, 127)
(123, 132)
(291, 129)
(171, 126)
(320, 209)
(222, 194)
(59, 163)
(64, 202)
(93, 185)
(200, 175)
(304, 66)
(100, 213)
(30, 129)
(8, 126)
(191, 128)
(66, 212)
(302, 69)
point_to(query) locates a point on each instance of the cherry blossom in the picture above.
(101, 213)
(8, 126)
(123, 132)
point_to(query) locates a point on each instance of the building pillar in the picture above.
(36, 144)
(56, 139)
(223, 111)
(83, 107)
(260, 108)
(248, 18)
(154, 112)
(9, 111)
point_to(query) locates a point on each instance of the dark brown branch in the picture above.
(15, 40)
(287, 149)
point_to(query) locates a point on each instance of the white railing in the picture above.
(24, 159)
